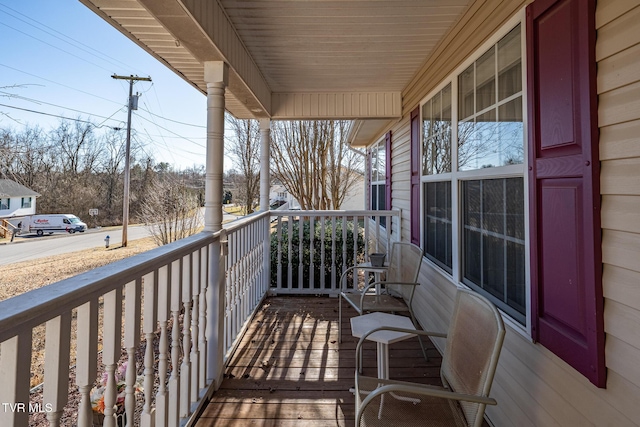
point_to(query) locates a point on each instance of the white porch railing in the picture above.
(169, 297)
(175, 298)
(310, 249)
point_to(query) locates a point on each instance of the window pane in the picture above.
(382, 197)
(382, 161)
(374, 197)
(466, 93)
(436, 114)
(511, 132)
(437, 221)
(486, 80)
(493, 215)
(479, 143)
(493, 241)
(509, 65)
(490, 133)
(427, 132)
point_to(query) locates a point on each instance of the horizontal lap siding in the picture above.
(533, 386)
(618, 55)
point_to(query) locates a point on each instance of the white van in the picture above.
(49, 223)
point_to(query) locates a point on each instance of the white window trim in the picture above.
(489, 173)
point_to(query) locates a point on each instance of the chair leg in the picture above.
(424, 350)
(340, 319)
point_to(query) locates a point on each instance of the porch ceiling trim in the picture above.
(175, 33)
(336, 105)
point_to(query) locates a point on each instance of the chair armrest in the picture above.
(420, 390)
(371, 285)
(391, 328)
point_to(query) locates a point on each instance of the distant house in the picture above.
(16, 199)
(354, 199)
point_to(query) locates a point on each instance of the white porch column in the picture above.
(265, 160)
(216, 74)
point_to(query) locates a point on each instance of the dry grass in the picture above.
(25, 276)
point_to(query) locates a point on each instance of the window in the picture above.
(378, 177)
(493, 241)
(473, 186)
(436, 160)
(26, 202)
(5, 204)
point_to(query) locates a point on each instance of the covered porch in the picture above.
(290, 370)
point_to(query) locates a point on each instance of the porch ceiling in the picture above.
(292, 59)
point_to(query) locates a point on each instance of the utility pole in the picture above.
(132, 105)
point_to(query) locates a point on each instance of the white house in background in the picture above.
(16, 199)
(355, 199)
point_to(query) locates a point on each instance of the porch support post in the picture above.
(216, 75)
(265, 160)
(265, 187)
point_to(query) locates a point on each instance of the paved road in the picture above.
(30, 247)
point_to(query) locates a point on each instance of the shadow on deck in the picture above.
(289, 369)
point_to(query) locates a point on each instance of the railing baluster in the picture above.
(86, 358)
(112, 340)
(56, 367)
(164, 300)
(174, 379)
(356, 233)
(344, 243)
(312, 269)
(15, 371)
(202, 338)
(131, 343)
(148, 327)
(279, 239)
(323, 230)
(300, 252)
(333, 253)
(195, 327)
(185, 367)
(289, 252)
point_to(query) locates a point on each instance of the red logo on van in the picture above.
(42, 221)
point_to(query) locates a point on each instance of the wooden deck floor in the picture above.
(290, 370)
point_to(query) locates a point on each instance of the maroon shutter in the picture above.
(415, 176)
(564, 191)
(387, 180)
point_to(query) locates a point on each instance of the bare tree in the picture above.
(314, 162)
(244, 147)
(170, 210)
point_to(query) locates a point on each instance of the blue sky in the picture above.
(60, 56)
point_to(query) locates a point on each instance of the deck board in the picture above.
(290, 370)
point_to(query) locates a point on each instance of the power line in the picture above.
(171, 120)
(24, 98)
(54, 115)
(172, 132)
(71, 41)
(60, 84)
(54, 46)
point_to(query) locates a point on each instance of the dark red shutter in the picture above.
(387, 179)
(564, 190)
(415, 176)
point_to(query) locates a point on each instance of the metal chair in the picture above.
(386, 295)
(471, 354)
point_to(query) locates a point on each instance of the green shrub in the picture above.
(319, 269)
